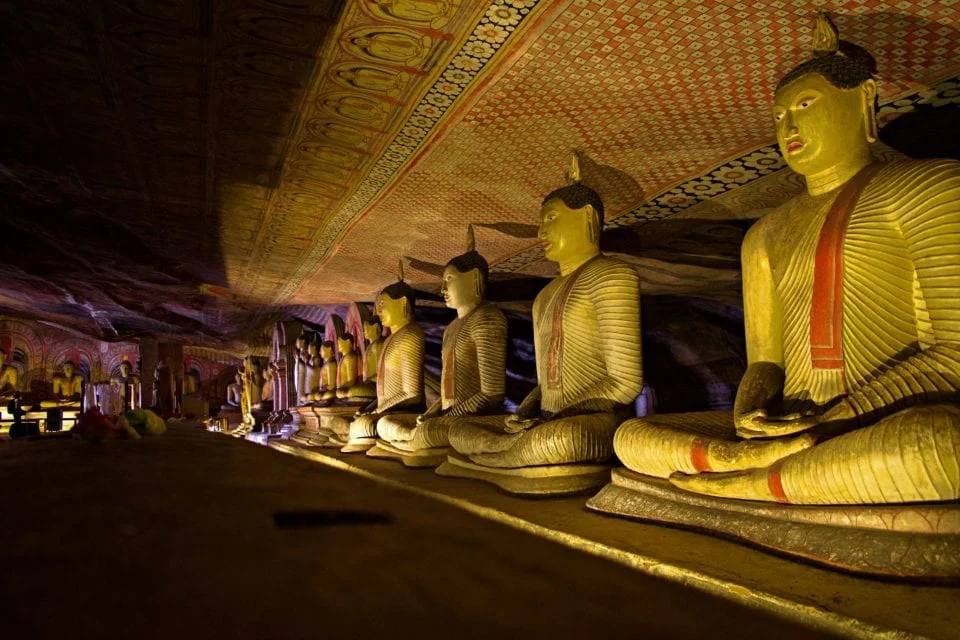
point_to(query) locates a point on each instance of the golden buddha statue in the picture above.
(586, 326)
(373, 338)
(68, 384)
(348, 371)
(327, 390)
(400, 375)
(299, 367)
(9, 376)
(311, 374)
(474, 354)
(853, 336)
(128, 385)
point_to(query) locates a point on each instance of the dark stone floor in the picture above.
(196, 535)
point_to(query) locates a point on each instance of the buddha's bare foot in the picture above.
(754, 454)
(744, 485)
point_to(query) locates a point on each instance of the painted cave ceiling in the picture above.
(197, 168)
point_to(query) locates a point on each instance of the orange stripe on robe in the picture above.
(826, 309)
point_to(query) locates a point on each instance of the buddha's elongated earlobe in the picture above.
(869, 99)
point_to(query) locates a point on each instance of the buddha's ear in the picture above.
(868, 100)
(593, 224)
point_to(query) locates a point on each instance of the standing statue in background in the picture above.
(128, 385)
(300, 367)
(474, 356)
(400, 375)
(311, 376)
(586, 326)
(9, 377)
(853, 340)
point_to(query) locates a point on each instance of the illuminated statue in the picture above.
(327, 390)
(9, 376)
(373, 335)
(348, 371)
(853, 316)
(586, 326)
(128, 385)
(68, 384)
(474, 367)
(235, 390)
(400, 376)
(853, 339)
(300, 367)
(266, 391)
(311, 377)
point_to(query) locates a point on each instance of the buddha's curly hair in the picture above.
(468, 262)
(401, 289)
(847, 68)
(577, 196)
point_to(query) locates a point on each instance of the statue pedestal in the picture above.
(233, 416)
(422, 458)
(903, 541)
(335, 423)
(541, 481)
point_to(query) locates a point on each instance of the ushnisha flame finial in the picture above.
(826, 37)
(471, 239)
(573, 173)
(400, 270)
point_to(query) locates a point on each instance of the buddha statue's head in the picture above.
(571, 219)
(125, 369)
(345, 344)
(825, 109)
(396, 303)
(326, 350)
(465, 277)
(238, 377)
(372, 330)
(68, 369)
(301, 343)
(311, 348)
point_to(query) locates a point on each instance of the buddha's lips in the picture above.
(796, 145)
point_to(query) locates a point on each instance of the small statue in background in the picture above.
(311, 378)
(9, 377)
(128, 385)
(327, 390)
(68, 384)
(235, 390)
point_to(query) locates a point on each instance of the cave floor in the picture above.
(198, 535)
(829, 600)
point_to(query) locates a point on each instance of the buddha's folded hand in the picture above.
(757, 424)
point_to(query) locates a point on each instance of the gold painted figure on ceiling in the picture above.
(473, 370)
(852, 310)
(400, 366)
(586, 325)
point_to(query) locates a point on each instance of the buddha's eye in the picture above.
(805, 103)
(778, 117)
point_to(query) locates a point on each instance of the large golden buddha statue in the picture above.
(9, 376)
(586, 326)
(400, 375)
(853, 342)
(474, 356)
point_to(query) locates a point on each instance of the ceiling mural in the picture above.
(198, 170)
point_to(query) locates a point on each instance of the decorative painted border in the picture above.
(499, 23)
(739, 172)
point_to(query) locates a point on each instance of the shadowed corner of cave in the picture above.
(926, 133)
(123, 176)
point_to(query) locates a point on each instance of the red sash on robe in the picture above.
(826, 309)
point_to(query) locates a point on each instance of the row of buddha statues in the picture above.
(852, 317)
(69, 385)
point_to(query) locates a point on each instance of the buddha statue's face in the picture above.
(326, 351)
(68, 370)
(392, 312)
(566, 232)
(312, 348)
(301, 344)
(819, 125)
(460, 289)
(344, 345)
(371, 331)
(125, 369)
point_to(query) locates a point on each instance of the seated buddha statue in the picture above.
(235, 390)
(128, 385)
(327, 389)
(9, 377)
(474, 353)
(400, 369)
(348, 372)
(68, 385)
(586, 325)
(373, 339)
(852, 319)
(311, 374)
